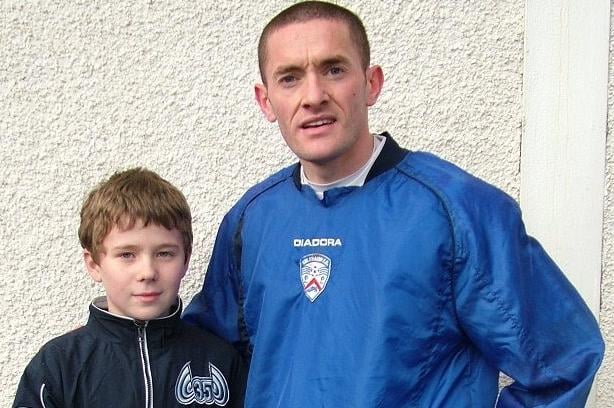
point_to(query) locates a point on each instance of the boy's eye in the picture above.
(166, 254)
(126, 255)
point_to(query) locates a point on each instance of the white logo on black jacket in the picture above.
(202, 390)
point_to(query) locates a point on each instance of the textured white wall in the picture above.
(98, 86)
(605, 379)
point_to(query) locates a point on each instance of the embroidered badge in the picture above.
(202, 390)
(315, 271)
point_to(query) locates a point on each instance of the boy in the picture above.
(135, 351)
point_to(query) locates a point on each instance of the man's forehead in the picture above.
(316, 40)
(313, 25)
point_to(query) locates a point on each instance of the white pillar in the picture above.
(564, 136)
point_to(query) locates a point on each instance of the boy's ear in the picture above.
(92, 267)
(186, 264)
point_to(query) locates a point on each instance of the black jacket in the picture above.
(119, 362)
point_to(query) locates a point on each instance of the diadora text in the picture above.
(317, 242)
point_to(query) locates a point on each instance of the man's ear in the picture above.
(92, 267)
(262, 97)
(375, 82)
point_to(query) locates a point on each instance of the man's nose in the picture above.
(315, 91)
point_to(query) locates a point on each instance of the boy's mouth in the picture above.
(148, 296)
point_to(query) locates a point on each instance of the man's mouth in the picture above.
(318, 123)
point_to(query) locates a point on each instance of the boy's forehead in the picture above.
(128, 222)
(130, 232)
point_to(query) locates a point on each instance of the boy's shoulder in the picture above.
(67, 341)
(60, 352)
(201, 337)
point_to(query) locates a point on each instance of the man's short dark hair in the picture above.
(313, 10)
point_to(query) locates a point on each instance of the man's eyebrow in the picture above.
(284, 69)
(326, 62)
(336, 59)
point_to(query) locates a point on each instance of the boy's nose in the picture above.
(147, 270)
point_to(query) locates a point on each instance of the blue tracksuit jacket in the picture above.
(414, 290)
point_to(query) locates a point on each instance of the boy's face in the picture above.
(141, 269)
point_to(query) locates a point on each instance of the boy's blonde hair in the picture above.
(127, 197)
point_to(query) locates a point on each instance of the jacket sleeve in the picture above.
(520, 311)
(238, 383)
(35, 386)
(217, 307)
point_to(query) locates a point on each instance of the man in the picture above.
(370, 276)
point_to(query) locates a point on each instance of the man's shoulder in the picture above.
(430, 167)
(448, 179)
(458, 190)
(284, 175)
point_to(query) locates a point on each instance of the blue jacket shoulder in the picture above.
(459, 190)
(259, 188)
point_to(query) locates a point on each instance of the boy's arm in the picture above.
(238, 382)
(522, 313)
(217, 306)
(35, 388)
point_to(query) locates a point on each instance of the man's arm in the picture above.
(217, 306)
(521, 312)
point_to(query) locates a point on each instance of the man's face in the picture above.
(319, 93)
(141, 269)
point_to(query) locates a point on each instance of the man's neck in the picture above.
(341, 167)
(356, 179)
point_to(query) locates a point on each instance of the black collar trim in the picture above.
(390, 156)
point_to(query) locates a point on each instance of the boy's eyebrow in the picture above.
(122, 247)
(133, 247)
(164, 245)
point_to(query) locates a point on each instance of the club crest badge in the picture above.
(315, 271)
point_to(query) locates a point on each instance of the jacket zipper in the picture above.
(142, 335)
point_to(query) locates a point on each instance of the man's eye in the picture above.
(335, 70)
(287, 79)
(126, 255)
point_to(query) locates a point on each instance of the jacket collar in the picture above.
(121, 329)
(389, 157)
